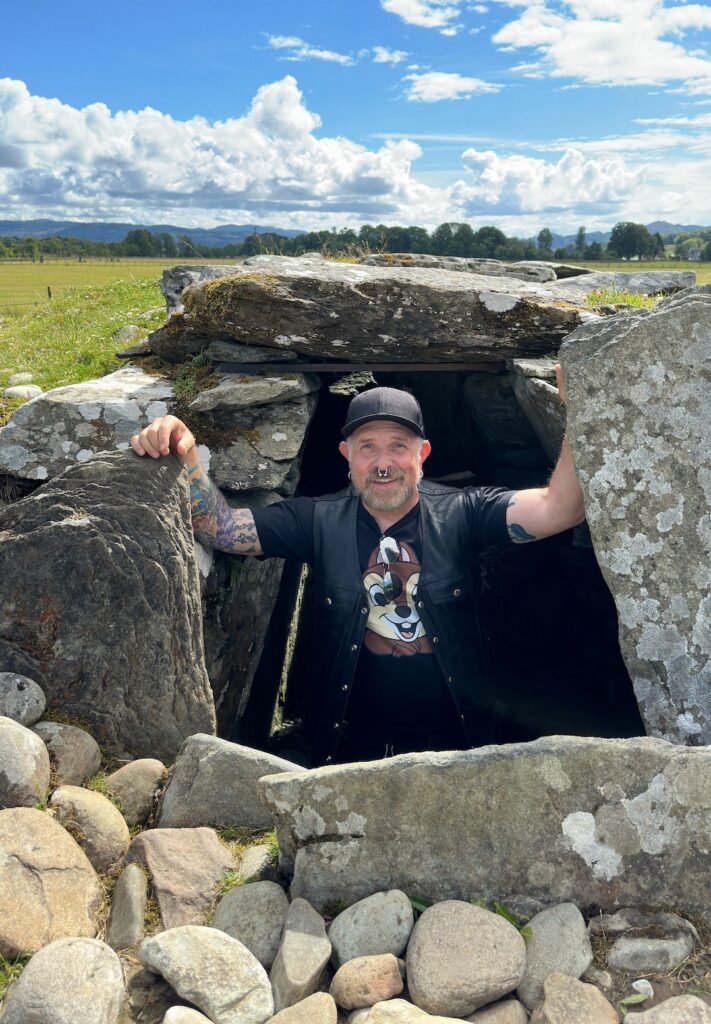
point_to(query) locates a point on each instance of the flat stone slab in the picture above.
(591, 821)
(526, 270)
(340, 310)
(71, 424)
(186, 866)
(640, 430)
(639, 282)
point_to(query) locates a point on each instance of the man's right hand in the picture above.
(161, 437)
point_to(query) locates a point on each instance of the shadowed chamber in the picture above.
(548, 620)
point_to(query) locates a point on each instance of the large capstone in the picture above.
(639, 424)
(604, 823)
(339, 310)
(111, 627)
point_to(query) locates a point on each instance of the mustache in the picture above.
(389, 475)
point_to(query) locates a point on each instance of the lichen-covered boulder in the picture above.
(115, 615)
(640, 429)
(21, 699)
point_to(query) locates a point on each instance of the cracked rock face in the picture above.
(595, 822)
(48, 888)
(134, 556)
(639, 425)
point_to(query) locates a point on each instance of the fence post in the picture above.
(49, 293)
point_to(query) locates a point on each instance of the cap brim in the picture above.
(410, 424)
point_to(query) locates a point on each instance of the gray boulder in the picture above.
(319, 1008)
(338, 309)
(506, 1011)
(380, 923)
(21, 699)
(639, 426)
(74, 752)
(128, 908)
(235, 352)
(24, 766)
(302, 956)
(366, 980)
(70, 980)
(186, 866)
(213, 971)
(238, 391)
(569, 1001)
(544, 411)
(134, 786)
(48, 888)
(562, 830)
(214, 782)
(558, 942)
(639, 282)
(71, 424)
(678, 1010)
(23, 391)
(255, 915)
(644, 943)
(94, 822)
(461, 957)
(175, 279)
(119, 564)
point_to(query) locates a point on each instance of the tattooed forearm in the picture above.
(216, 524)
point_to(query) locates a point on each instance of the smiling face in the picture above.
(385, 459)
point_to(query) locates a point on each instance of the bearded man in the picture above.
(397, 657)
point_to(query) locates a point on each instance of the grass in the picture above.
(620, 297)
(24, 285)
(10, 970)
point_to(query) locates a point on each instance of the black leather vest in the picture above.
(447, 603)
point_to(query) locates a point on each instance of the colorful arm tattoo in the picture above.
(216, 524)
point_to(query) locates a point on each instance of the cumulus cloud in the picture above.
(608, 42)
(434, 86)
(439, 14)
(519, 183)
(91, 163)
(299, 50)
(381, 55)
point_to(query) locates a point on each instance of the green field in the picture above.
(23, 285)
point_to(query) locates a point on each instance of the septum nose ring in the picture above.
(383, 474)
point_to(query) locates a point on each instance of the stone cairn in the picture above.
(531, 882)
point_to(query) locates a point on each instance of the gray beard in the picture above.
(387, 502)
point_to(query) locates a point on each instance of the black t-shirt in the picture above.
(399, 690)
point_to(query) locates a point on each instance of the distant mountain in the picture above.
(115, 232)
(665, 228)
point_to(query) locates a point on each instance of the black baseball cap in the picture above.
(384, 404)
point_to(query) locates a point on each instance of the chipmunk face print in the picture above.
(394, 626)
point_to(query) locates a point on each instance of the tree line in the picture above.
(627, 241)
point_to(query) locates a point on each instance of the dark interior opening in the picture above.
(548, 619)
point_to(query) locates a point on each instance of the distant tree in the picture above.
(706, 253)
(462, 240)
(628, 239)
(168, 246)
(442, 239)
(580, 242)
(594, 251)
(545, 240)
(486, 241)
(659, 249)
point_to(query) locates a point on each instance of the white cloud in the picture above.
(300, 50)
(267, 165)
(610, 42)
(520, 183)
(439, 14)
(434, 86)
(381, 55)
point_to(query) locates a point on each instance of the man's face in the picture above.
(385, 459)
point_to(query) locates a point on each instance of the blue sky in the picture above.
(519, 113)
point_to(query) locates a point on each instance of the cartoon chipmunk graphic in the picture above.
(394, 627)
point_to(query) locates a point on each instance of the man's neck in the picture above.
(387, 519)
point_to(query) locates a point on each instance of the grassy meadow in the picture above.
(68, 339)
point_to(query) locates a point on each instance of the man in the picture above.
(398, 661)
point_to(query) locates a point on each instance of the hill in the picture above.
(97, 231)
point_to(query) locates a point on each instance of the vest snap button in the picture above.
(354, 647)
(420, 604)
(328, 600)
(364, 610)
(435, 639)
(457, 592)
(345, 688)
(450, 679)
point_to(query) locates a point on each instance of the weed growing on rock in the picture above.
(10, 970)
(620, 297)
